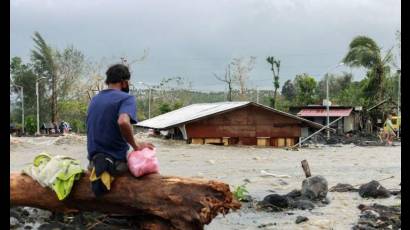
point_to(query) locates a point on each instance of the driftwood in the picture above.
(156, 202)
(306, 169)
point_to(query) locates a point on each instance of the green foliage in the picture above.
(30, 124)
(351, 96)
(178, 105)
(164, 108)
(22, 74)
(272, 102)
(289, 90)
(337, 84)
(71, 65)
(283, 105)
(364, 52)
(305, 89)
(240, 192)
(78, 126)
(74, 112)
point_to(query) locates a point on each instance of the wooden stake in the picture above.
(306, 169)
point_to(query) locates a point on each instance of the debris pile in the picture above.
(33, 218)
(313, 193)
(343, 188)
(373, 189)
(378, 216)
(355, 137)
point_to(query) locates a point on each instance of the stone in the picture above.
(14, 222)
(277, 200)
(266, 225)
(294, 194)
(301, 219)
(373, 189)
(378, 216)
(267, 207)
(303, 204)
(314, 188)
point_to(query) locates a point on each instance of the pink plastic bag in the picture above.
(143, 162)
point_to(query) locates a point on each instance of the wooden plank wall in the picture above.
(246, 124)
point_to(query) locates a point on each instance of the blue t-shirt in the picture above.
(103, 131)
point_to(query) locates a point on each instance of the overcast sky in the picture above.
(193, 39)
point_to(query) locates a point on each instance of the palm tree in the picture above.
(43, 56)
(364, 52)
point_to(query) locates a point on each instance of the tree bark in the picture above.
(154, 200)
(306, 169)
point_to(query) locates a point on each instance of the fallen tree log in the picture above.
(165, 202)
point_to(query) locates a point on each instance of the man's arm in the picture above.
(127, 132)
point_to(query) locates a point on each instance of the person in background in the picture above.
(389, 130)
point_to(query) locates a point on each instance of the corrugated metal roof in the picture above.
(189, 113)
(198, 111)
(323, 112)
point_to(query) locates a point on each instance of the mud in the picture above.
(235, 165)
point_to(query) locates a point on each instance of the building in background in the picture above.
(352, 119)
(230, 123)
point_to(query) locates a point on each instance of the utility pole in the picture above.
(327, 106)
(327, 99)
(38, 106)
(257, 94)
(149, 97)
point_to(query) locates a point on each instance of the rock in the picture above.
(52, 225)
(303, 204)
(395, 192)
(277, 200)
(14, 213)
(294, 194)
(314, 188)
(25, 213)
(325, 201)
(370, 214)
(14, 222)
(28, 227)
(373, 189)
(267, 207)
(343, 188)
(378, 217)
(301, 219)
(266, 225)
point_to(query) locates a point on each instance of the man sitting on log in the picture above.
(109, 130)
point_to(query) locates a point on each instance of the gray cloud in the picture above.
(193, 39)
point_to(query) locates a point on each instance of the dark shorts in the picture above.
(120, 167)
